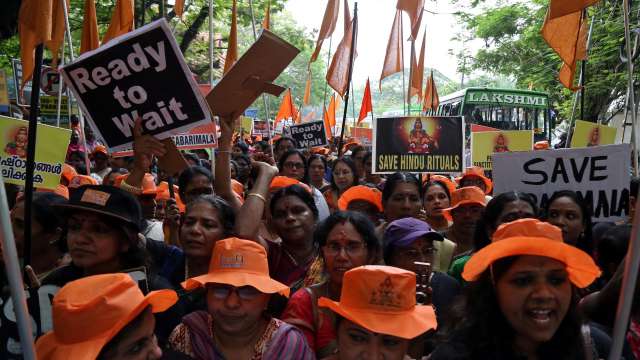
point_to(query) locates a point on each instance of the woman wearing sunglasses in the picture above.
(235, 325)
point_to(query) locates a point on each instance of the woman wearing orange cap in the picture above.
(522, 301)
(363, 199)
(347, 240)
(467, 206)
(343, 176)
(104, 317)
(235, 325)
(376, 315)
(436, 197)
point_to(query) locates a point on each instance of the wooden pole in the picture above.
(354, 32)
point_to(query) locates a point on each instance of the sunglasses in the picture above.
(222, 291)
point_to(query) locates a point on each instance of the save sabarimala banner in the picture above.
(587, 134)
(599, 175)
(418, 144)
(485, 143)
(51, 149)
(141, 74)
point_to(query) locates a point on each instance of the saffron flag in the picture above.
(414, 9)
(366, 106)
(90, 38)
(232, 47)
(121, 20)
(338, 73)
(266, 22)
(329, 22)
(327, 125)
(34, 28)
(307, 90)
(178, 8)
(567, 36)
(393, 57)
(331, 112)
(559, 8)
(287, 109)
(431, 99)
(417, 72)
(57, 30)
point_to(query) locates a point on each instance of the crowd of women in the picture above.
(317, 258)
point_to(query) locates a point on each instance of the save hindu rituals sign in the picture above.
(418, 144)
(139, 75)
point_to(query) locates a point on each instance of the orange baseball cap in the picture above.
(238, 262)
(89, 312)
(279, 182)
(465, 195)
(80, 180)
(60, 190)
(361, 192)
(541, 145)
(382, 299)
(68, 172)
(163, 194)
(533, 237)
(148, 183)
(451, 187)
(476, 171)
(100, 149)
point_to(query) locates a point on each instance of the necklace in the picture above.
(293, 260)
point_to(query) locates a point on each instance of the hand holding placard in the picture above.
(145, 147)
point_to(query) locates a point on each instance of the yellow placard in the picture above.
(4, 90)
(49, 105)
(485, 143)
(245, 125)
(586, 134)
(51, 149)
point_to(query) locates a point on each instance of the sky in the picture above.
(375, 20)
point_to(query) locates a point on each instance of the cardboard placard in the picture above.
(49, 105)
(600, 175)
(141, 74)
(362, 134)
(485, 143)
(308, 135)
(418, 144)
(588, 134)
(51, 150)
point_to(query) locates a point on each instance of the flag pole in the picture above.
(264, 97)
(411, 74)
(31, 152)
(16, 285)
(211, 42)
(404, 100)
(354, 32)
(59, 102)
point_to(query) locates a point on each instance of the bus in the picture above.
(505, 109)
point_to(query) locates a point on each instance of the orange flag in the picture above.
(57, 30)
(559, 8)
(287, 109)
(327, 123)
(307, 90)
(331, 111)
(417, 73)
(338, 73)
(266, 22)
(567, 36)
(413, 8)
(34, 28)
(232, 47)
(121, 20)
(431, 99)
(90, 38)
(178, 8)
(393, 57)
(366, 106)
(328, 25)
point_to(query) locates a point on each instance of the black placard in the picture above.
(308, 135)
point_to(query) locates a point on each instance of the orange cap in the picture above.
(382, 299)
(80, 180)
(163, 194)
(68, 172)
(148, 183)
(533, 237)
(465, 195)
(239, 262)
(541, 145)
(478, 172)
(60, 190)
(360, 192)
(320, 150)
(89, 312)
(279, 182)
(100, 149)
(451, 187)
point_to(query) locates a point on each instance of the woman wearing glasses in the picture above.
(235, 325)
(347, 240)
(292, 164)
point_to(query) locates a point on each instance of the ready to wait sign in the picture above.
(139, 75)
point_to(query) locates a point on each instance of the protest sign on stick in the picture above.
(599, 175)
(418, 144)
(308, 135)
(485, 143)
(140, 74)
